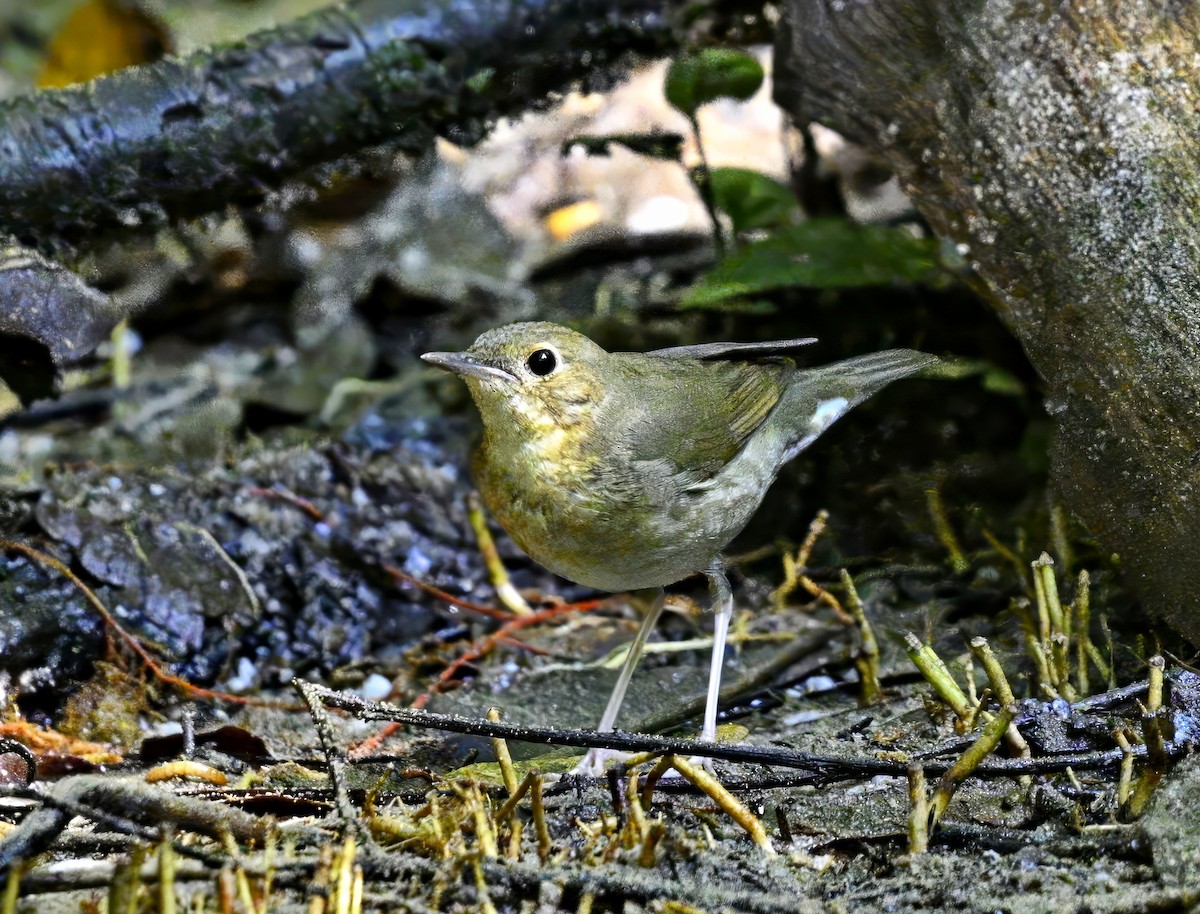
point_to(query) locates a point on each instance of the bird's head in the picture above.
(540, 377)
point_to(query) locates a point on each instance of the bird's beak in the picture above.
(466, 365)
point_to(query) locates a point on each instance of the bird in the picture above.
(624, 471)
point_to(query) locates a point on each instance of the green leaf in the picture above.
(654, 145)
(751, 199)
(818, 254)
(697, 79)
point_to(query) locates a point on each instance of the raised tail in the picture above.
(817, 397)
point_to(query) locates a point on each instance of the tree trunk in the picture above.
(1058, 142)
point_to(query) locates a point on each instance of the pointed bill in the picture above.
(466, 365)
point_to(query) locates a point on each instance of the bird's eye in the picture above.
(541, 362)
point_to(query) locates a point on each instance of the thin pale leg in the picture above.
(609, 718)
(593, 762)
(722, 604)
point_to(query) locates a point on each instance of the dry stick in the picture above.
(142, 812)
(823, 768)
(655, 831)
(918, 810)
(505, 592)
(226, 892)
(356, 890)
(344, 885)
(319, 885)
(166, 877)
(730, 805)
(793, 571)
(12, 888)
(485, 835)
(335, 756)
(970, 760)
(486, 905)
(653, 776)
(1043, 568)
(1125, 783)
(930, 665)
(867, 661)
(1056, 622)
(1083, 637)
(1154, 684)
(1039, 600)
(490, 611)
(1001, 688)
(500, 635)
(269, 864)
(1045, 677)
(189, 690)
(289, 498)
(503, 756)
(1156, 754)
(227, 560)
(515, 796)
(944, 531)
(637, 814)
(1059, 538)
(1005, 553)
(538, 810)
(126, 883)
(239, 875)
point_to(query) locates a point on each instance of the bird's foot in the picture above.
(596, 761)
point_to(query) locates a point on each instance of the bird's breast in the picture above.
(611, 525)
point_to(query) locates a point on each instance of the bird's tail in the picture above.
(818, 397)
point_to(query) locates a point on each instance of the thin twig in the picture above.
(823, 768)
(335, 756)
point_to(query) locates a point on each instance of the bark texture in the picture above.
(184, 136)
(1057, 142)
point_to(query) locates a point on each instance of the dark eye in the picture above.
(541, 362)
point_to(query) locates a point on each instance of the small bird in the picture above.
(630, 470)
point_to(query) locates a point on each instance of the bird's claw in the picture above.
(596, 761)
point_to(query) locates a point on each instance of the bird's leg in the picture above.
(722, 604)
(593, 762)
(609, 718)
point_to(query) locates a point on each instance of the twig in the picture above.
(335, 756)
(945, 531)
(538, 810)
(823, 768)
(930, 665)
(989, 738)
(867, 661)
(730, 805)
(918, 810)
(1000, 686)
(794, 576)
(505, 592)
(503, 757)
(458, 602)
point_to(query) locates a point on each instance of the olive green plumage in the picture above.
(632, 470)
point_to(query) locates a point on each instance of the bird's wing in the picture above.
(731, 350)
(697, 416)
